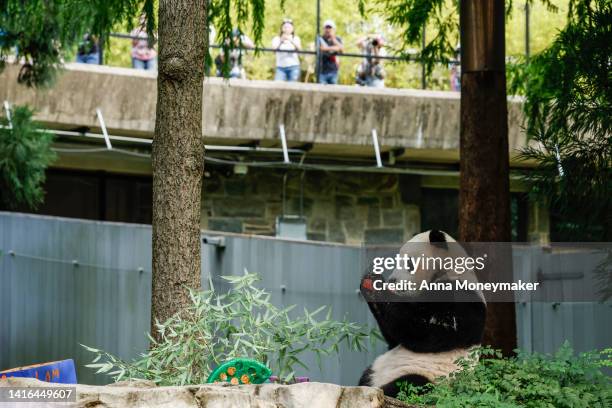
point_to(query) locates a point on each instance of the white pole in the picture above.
(376, 148)
(284, 142)
(103, 127)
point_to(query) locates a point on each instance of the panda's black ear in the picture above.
(437, 238)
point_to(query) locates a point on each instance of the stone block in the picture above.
(412, 220)
(293, 205)
(373, 217)
(317, 224)
(384, 236)
(237, 186)
(387, 201)
(393, 218)
(354, 230)
(259, 227)
(368, 200)
(335, 232)
(239, 207)
(273, 209)
(346, 213)
(225, 224)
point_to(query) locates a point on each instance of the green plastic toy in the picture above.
(240, 371)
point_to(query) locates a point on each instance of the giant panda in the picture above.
(425, 338)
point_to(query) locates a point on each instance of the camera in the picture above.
(375, 42)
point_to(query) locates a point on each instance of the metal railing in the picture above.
(409, 57)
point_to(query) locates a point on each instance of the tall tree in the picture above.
(484, 194)
(178, 155)
(484, 183)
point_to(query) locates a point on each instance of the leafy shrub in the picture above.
(528, 380)
(25, 154)
(241, 322)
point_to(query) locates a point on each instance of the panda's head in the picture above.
(433, 256)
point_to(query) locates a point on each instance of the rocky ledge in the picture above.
(146, 394)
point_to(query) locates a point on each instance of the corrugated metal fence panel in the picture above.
(545, 326)
(49, 306)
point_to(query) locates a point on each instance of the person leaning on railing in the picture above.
(287, 60)
(330, 45)
(144, 56)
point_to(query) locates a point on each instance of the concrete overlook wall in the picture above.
(337, 119)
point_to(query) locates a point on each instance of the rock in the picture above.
(136, 383)
(395, 403)
(133, 394)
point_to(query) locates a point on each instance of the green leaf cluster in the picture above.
(568, 107)
(25, 154)
(42, 32)
(486, 380)
(238, 323)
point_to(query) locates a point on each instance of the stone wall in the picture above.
(144, 394)
(339, 207)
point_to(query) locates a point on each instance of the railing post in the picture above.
(317, 45)
(423, 73)
(527, 33)
(101, 51)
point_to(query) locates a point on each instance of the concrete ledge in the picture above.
(144, 394)
(338, 120)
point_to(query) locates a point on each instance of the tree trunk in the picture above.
(178, 156)
(484, 187)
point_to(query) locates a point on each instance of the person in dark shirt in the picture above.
(89, 50)
(330, 46)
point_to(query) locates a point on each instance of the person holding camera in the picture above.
(371, 72)
(240, 42)
(287, 60)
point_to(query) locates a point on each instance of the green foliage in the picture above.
(42, 32)
(563, 380)
(240, 323)
(413, 15)
(45, 33)
(55, 28)
(25, 154)
(568, 106)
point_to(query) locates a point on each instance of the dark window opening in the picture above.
(96, 196)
